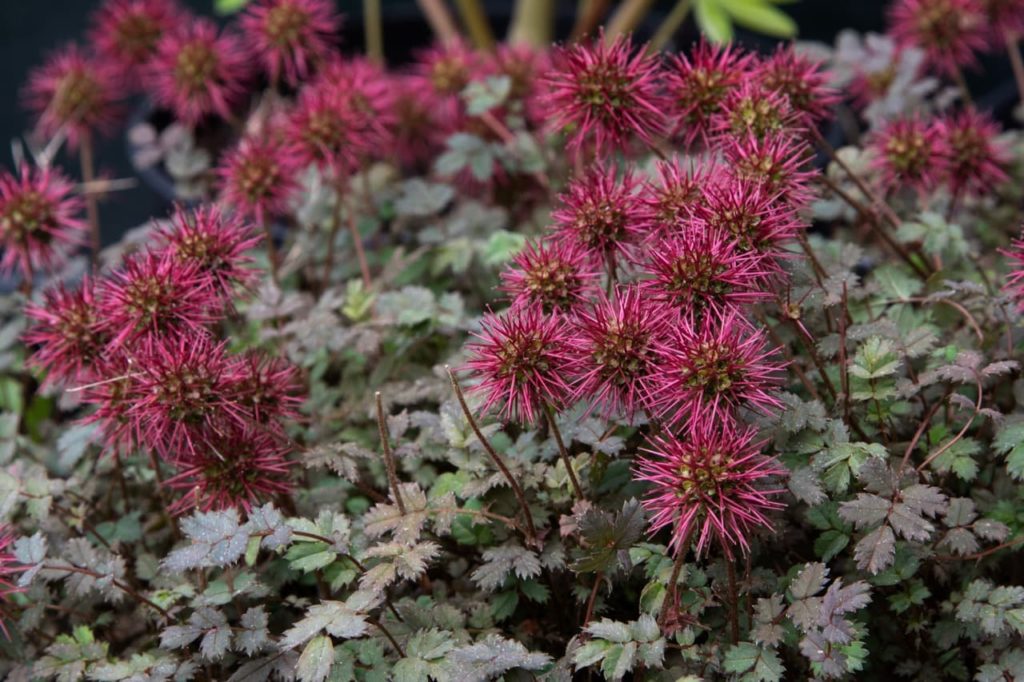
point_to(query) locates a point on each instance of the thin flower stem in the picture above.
(734, 616)
(390, 637)
(357, 242)
(373, 27)
(669, 26)
(533, 23)
(552, 424)
(598, 579)
(91, 206)
(474, 18)
(977, 409)
(273, 257)
(162, 497)
(531, 531)
(332, 237)
(588, 16)
(961, 84)
(626, 18)
(117, 583)
(1016, 61)
(389, 458)
(984, 553)
(917, 437)
(440, 20)
(672, 589)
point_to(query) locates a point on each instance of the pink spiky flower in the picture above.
(1014, 286)
(216, 243)
(198, 71)
(524, 65)
(1004, 17)
(755, 220)
(975, 159)
(698, 83)
(74, 94)
(701, 269)
(291, 37)
(39, 219)
(269, 389)
(554, 275)
(186, 395)
(714, 485)
(802, 80)
(951, 32)
(753, 110)
(66, 333)
(667, 203)
(327, 129)
(114, 390)
(156, 294)
(369, 93)
(258, 177)
(907, 153)
(521, 358)
(710, 367)
(418, 132)
(125, 32)
(238, 469)
(601, 213)
(777, 163)
(615, 354)
(607, 94)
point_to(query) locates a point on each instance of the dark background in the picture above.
(30, 28)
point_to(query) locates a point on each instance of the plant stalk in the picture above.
(273, 256)
(498, 462)
(1016, 61)
(550, 414)
(626, 18)
(373, 26)
(588, 15)
(533, 23)
(440, 20)
(474, 18)
(670, 25)
(389, 457)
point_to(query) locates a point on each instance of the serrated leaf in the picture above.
(874, 552)
(316, 660)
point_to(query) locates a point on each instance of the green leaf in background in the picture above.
(760, 16)
(713, 20)
(229, 6)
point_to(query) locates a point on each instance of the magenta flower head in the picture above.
(753, 110)
(698, 83)
(258, 177)
(907, 152)
(291, 37)
(418, 130)
(615, 354)
(671, 200)
(975, 159)
(712, 485)
(701, 269)
(237, 469)
(216, 243)
(327, 129)
(777, 163)
(1014, 286)
(269, 389)
(607, 94)
(754, 219)
(710, 367)
(370, 94)
(65, 333)
(1004, 16)
(39, 219)
(951, 32)
(113, 390)
(198, 71)
(186, 391)
(125, 32)
(73, 93)
(521, 358)
(802, 80)
(553, 275)
(601, 214)
(155, 294)
(524, 65)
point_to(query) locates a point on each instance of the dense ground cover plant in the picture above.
(518, 362)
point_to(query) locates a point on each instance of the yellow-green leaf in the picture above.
(713, 20)
(758, 15)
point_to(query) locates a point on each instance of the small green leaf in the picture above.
(223, 7)
(761, 17)
(713, 21)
